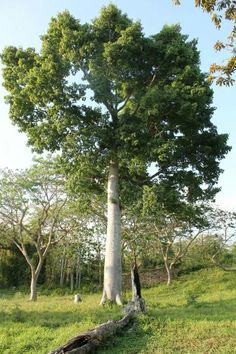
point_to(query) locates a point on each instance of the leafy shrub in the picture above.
(191, 297)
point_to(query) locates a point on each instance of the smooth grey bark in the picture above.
(34, 271)
(33, 286)
(112, 266)
(169, 273)
(34, 279)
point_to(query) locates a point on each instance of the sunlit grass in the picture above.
(178, 322)
(39, 327)
(196, 314)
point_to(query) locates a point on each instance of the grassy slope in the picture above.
(204, 325)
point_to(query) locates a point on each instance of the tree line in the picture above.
(51, 237)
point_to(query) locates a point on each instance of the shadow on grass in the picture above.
(55, 319)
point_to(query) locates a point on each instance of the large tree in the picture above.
(116, 102)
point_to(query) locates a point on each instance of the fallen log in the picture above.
(87, 342)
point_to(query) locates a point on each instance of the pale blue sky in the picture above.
(22, 23)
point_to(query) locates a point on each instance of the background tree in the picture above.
(115, 102)
(168, 233)
(174, 239)
(33, 213)
(79, 257)
(221, 10)
(221, 238)
(138, 246)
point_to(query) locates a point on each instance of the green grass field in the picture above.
(197, 314)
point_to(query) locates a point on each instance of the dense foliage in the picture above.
(103, 91)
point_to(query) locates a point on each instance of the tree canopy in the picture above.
(131, 80)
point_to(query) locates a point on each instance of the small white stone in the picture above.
(77, 298)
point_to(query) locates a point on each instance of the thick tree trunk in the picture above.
(112, 266)
(33, 286)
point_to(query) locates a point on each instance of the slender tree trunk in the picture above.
(80, 275)
(112, 266)
(72, 280)
(169, 273)
(100, 272)
(77, 274)
(34, 279)
(62, 270)
(99, 262)
(88, 268)
(34, 271)
(33, 285)
(169, 277)
(67, 276)
(77, 278)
